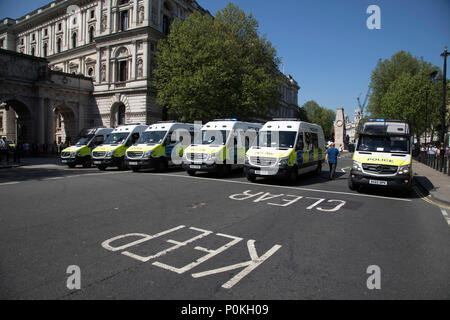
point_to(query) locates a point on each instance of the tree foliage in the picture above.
(214, 68)
(399, 90)
(322, 116)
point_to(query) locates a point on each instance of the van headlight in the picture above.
(404, 169)
(147, 154)
(357, 165)
(73, 154)
(283, 161)
(109, 154)
(247, 159)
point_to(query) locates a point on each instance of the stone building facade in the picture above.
(113, 43)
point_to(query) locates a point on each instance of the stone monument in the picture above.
(339, 129)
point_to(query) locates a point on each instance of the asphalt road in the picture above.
(171, 236)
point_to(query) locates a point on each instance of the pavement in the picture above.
(436, 183)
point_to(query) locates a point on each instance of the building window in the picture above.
(122, 71)
(32, 51)
(92, 14)
(121, 2)
(59, 26)
(121, 115)
(91, 72)
(166, 25)
(124, 20)
(91, 34)
(44, 50)
(2, 43)
(74, 40)
(33, 37)
(45, 32)
(58, 45)
(22, 42)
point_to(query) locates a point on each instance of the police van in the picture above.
(112, 152)
(285, 149)
(220, 147)
(383, 155)
(80, 153)
(160, 146)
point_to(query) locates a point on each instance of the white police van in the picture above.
(161, 145)
(285, 149)
(220, 147)
(112, 152)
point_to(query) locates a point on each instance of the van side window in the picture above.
(299, 145)
(311, 140)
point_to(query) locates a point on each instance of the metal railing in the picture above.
(435, 161)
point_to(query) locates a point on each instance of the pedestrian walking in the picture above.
(331, 158)
(4, 149)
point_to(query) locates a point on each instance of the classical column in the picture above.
(98, 67)
(108, 64)
(110, 17)
(134, 61)
(40, 122)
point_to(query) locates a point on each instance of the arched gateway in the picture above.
(38, 104)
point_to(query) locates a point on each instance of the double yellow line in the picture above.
(424, 198)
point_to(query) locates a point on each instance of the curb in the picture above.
(433, 193)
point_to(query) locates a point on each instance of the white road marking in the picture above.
(282, 187)
(249, 265)
(211, 254)
(8, 183)
(177, 244)
(446, 217)
(245, 195)
(343, 169)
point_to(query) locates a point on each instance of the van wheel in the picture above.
(191, 172)
(135, 169)
(319, 169)
(122, 166)
(161, 165)
(71, 165)
(224, 171)
(351, 185)
(292, 176)
(251, 178)
(101, 168)
(87, 163)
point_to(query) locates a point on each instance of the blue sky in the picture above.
(325, 44)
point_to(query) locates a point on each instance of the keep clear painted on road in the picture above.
(285, 200)
(246, 266)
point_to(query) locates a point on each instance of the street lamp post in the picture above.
(444, 107)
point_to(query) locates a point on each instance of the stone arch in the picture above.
(119, 107)
(20, 126)
(65, 124)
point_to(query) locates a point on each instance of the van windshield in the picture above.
(277, 139)
(84, 140)
(214, 137)
(152, 137)
(383, 143)
(117, 138)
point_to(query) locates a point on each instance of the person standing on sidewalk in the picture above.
(331, 158)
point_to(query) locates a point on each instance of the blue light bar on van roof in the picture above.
(231, 119)
(377, 120)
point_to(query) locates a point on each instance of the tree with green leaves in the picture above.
(399, 91)
(322, 116)
(217, 68)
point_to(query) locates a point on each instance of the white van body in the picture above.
(221, 146)
(112, 152)
(286, 148)
(161, 145)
